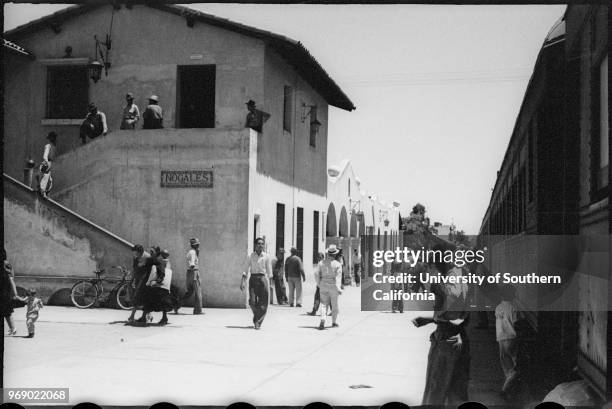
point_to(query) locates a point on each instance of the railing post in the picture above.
(28, 173)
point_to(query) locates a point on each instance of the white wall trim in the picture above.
(64, 61)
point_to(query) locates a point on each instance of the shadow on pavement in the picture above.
(239, 327)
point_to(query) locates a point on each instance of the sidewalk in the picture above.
(486, 376)
(218, 359)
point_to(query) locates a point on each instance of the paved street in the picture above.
(218, 358)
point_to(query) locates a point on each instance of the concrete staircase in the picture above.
(50, 246)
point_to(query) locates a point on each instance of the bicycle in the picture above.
(85, 293)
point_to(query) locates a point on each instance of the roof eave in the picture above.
(290, 49)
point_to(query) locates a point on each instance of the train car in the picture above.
(534, 201)
(554, 182)
(587, 47)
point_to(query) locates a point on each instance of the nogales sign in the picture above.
(187, 178)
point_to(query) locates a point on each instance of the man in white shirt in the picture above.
(45, 180)
(131, 114)
(259, 266)
(327, 275)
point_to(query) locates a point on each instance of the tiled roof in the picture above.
(292, 51)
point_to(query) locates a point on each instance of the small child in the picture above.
(34, 304)
(506, 316)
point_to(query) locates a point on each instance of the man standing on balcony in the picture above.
(94, 124)
(255, 118)
(131, 114)
(45, 180)
(153, 117)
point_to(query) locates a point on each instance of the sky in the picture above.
(437, 90)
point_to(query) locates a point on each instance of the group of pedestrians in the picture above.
(153, 290)
(260, 268)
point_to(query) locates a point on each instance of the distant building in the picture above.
(358, 220)
(444, 231)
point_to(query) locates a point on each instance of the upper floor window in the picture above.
(531, 147)
(314, 126)
(287, 108)
(604, 124)
(67, 91)
(600, 151)
(196, 96)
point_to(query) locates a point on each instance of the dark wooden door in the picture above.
(196, 96)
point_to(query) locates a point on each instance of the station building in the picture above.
(203, 175)
(358, 220)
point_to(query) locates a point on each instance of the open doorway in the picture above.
(196, 96)
(256, 225)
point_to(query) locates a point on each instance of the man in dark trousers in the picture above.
(141, 267)
(294, 272)
(259, 267)
(193, 282)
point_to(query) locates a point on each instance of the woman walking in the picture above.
(142, 263)
(448, 362)
(157, 293)
(327, 274)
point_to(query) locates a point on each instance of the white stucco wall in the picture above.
(264, 194)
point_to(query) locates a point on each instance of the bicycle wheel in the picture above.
(123, 296)
(83, 294)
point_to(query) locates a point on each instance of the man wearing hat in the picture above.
(45, 181)
(153, 117)
(294, 273)
(131, 114)
(255, 118)
(94, 124)
(259, 267)
(192, 278)
(327, 274)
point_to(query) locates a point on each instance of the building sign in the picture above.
(187, 178)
